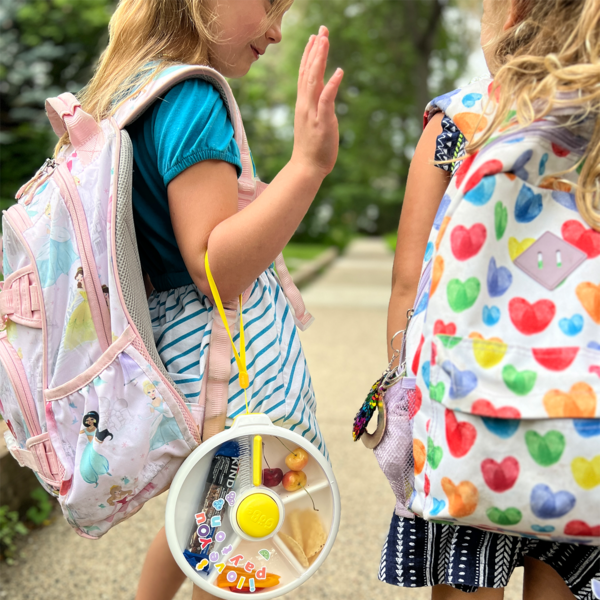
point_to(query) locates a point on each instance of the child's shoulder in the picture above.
(464, 106)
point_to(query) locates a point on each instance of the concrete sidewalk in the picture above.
(346, 352)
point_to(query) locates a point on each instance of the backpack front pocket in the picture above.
(123, 434)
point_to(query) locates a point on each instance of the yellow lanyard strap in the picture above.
(240, 358)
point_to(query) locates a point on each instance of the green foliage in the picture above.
(10, 528)
(396, 57)
(46, 47)
(43, 508)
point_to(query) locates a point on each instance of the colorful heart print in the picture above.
(441, 211)
(491, 315)
(516, 247)
(462, 296)
(459, 436)
(434, 454)
(482, 193)
(559, 150)
(555, 359)
(571, 326)
(505, 518)
(503, 421)
(471, 99)
(529, 318)
(545, 449)
(500, 219)
(499, 279)
(466, 243)
(546, 504)
(587, 240)
(414, 404)
(426, 373)
(438, 507)
(441, 232)
(419, 454)
(500, 476)
(462, 171)
(543, 528)
(436, 273)
(518, 382)
(437, 391)
(462, 383)
(578, 402)
(528, 206)
(587, 428)
(449, 341)
(417, 358)
(440, 327)
(488, 168)
(462, 498)
(589, 296)
(488, 353)
(581, 529)
(518, 167)
(423, 302)
(586, 472)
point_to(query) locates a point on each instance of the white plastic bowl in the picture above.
(188, 486)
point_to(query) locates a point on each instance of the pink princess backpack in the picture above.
(501, 377)
(78, 363)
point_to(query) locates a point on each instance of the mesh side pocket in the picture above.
(395, 451)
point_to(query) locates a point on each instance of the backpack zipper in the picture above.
(95, 297)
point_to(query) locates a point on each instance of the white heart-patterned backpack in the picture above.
(78, 364)
(505, 341)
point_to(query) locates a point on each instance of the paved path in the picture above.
(345, 350)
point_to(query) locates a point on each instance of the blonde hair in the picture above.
(146, 37)
(554, 49)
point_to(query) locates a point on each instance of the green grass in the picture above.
(390, 240)
(297, 254)
(295, 251)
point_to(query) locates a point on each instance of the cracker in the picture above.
(296, 525)
(313, 536)
(295, 549)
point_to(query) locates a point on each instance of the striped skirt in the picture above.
(280, 384)
(418, 553)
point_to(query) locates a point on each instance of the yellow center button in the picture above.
(258, 515)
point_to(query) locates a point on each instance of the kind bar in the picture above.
(219, 482)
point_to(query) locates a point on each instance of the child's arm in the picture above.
(425, 188)
(203, 198)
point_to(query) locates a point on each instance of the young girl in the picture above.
(185, 201)
(516, 37)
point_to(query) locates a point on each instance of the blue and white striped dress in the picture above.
(280, 384)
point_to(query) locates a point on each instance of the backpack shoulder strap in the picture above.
(132, 108)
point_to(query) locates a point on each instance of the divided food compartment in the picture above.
(283, 554)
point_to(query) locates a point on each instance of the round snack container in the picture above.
(230, 533)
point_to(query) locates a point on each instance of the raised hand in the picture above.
(316, 132)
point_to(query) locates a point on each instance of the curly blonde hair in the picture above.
(146, 37)
(551, 60)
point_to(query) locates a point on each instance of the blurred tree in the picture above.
(396, 57)
(46, 47)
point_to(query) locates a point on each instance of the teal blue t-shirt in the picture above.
(189, 125)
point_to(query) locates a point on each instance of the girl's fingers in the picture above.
(304, 61)
(329, 93)
(316, 72)
(323, 33)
